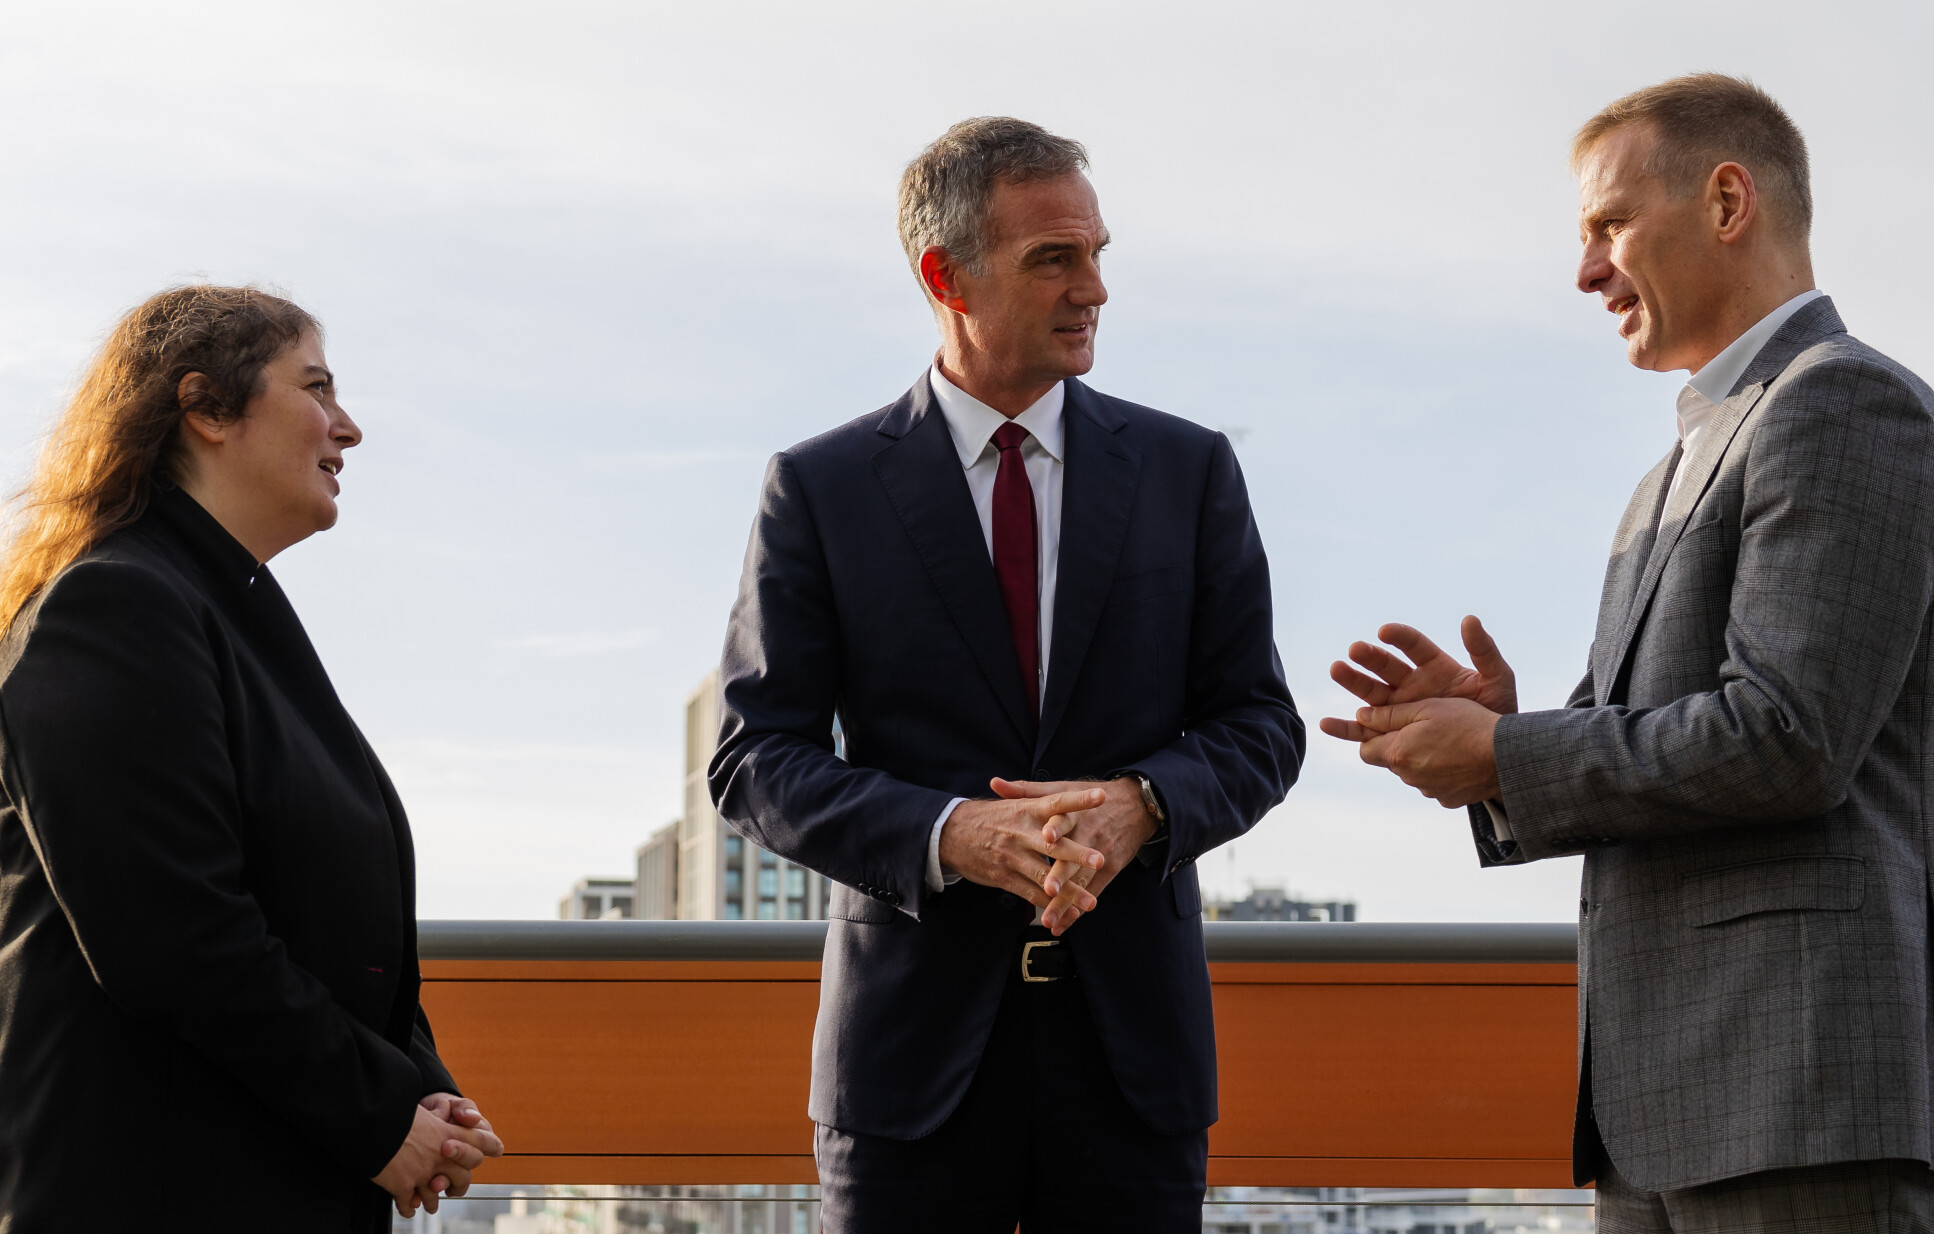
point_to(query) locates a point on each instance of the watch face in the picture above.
(1149, 799)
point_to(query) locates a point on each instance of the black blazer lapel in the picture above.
(928, 490)
(1097, 501)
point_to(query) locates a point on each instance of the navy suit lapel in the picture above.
(1097, 501)
(928, 490)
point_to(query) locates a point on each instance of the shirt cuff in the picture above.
(1500, 822)
(939, 880)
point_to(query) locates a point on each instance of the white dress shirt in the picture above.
(971, 423)
(1707, 388)
(1704, 391)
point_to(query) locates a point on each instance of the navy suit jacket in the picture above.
(868, 594)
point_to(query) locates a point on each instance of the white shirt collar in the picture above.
(1710, 386)
(972, 423)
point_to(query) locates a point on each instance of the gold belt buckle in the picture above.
(1027, 958)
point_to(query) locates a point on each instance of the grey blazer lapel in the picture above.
(1697, 469)
(1631, 550)
(1812, 323)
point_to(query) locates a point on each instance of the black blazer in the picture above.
(208, 977)
(868, 593)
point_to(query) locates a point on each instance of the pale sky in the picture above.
(584, 267)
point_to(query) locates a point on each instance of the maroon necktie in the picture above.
(1014, 558)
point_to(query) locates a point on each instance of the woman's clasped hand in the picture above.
(448, 1140)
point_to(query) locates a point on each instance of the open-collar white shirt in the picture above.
(971, 424)
(1706, 389)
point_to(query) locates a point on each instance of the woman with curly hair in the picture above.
(208, 972)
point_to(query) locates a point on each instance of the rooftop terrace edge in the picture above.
(1277, 942)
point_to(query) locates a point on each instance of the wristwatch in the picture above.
(1154, 804)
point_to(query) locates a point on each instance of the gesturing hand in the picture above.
(1005, 844)
(1442, 747)
(435, 1150)
(1430, 673)
(1117, 829)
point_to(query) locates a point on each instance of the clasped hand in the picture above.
(1429, 719)
(448, 1139)
(1056, 845)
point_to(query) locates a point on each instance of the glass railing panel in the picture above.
(794, 1209)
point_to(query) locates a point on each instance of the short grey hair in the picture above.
(1705, 119)
(944, 194)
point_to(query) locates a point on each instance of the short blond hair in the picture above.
(1703, 120)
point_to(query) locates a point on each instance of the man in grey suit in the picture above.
(1746, 763)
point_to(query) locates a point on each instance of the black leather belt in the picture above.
(1045, 958)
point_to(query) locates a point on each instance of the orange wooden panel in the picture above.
(603, 1067)
(1332, 1074)
(620, 970)
(1394, 974)
(1394, 1071)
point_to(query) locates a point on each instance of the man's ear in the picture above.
(1733, 200)
(200, 409)
(941, 277)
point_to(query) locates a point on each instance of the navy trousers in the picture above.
(1043, 1140)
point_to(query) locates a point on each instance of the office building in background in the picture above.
(722, 875)
(697, 868)
(597, 899)
(1274, 904)
(656, 897)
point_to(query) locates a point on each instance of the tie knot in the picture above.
(1009, 435)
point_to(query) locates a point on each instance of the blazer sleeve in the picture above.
(1829, 602)
(116, 759)
(433, 1076)
(775, 776)
(1492, 851)
(1242, 742)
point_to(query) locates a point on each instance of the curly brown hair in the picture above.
(118, 436)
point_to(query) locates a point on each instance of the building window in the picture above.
(796, 882)
(795, 910)
(769, 883)
(732, 884)
(734, 848)
(767, 861)
(768, 910)
(734, 911)
(593, 907)
(621, 905)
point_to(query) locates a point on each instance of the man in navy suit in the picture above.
(1007, 581)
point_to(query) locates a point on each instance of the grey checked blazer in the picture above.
(1746, 768)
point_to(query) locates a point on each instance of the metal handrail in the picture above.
(1361, 942)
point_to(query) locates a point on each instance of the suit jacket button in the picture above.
(891, 897)
(1040, 773)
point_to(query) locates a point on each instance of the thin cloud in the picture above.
(587, 644)
(668, 460)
